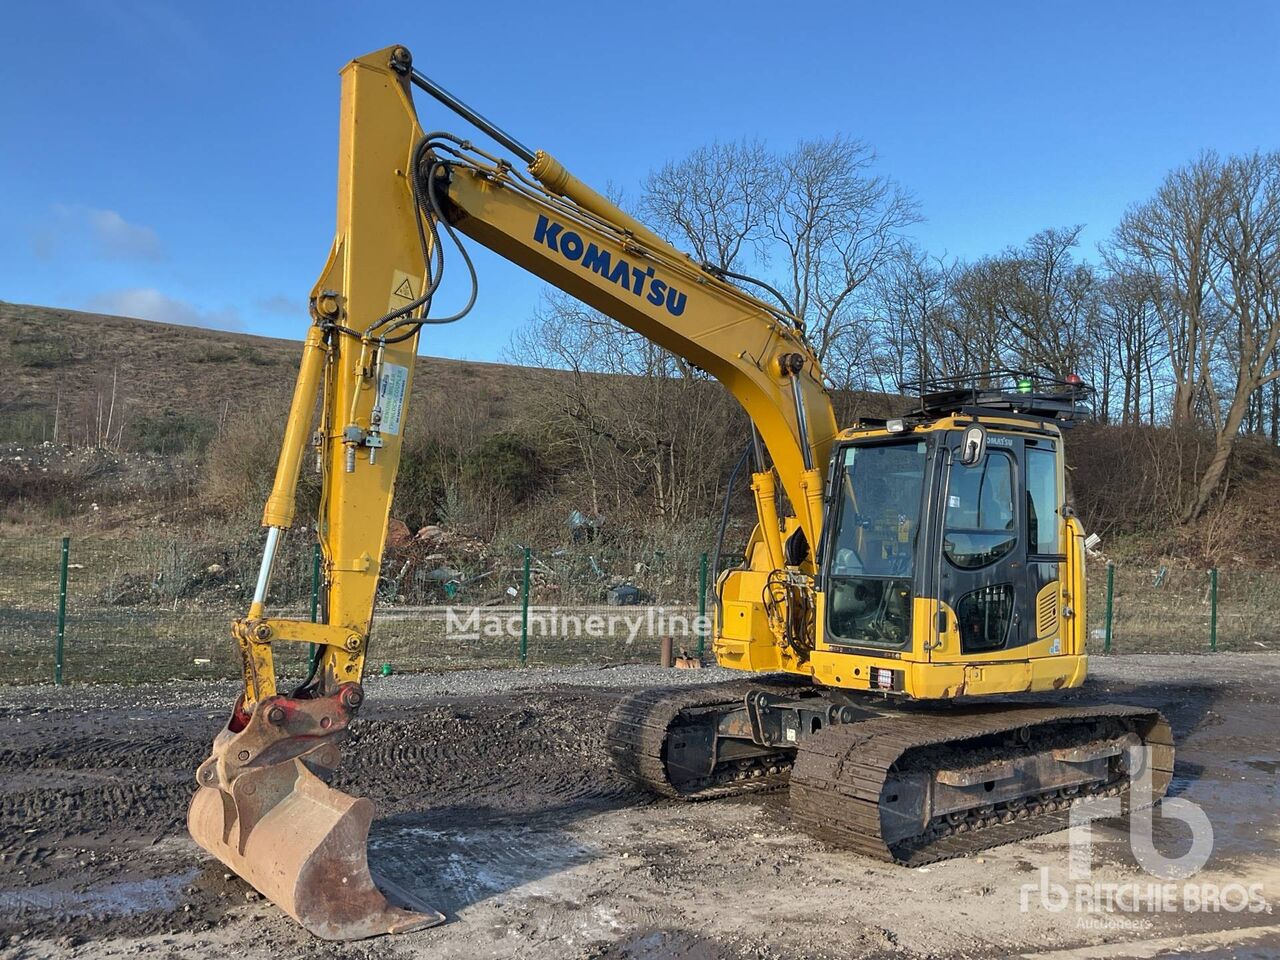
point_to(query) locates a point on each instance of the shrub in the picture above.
(240, 465)
(504, 464)
(421, 482)
(43, 353)
(172, 432)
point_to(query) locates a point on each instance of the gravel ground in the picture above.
(497, 804)
(405, 686)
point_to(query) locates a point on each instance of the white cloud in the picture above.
(284, 306)
(147, 303)
(118, 239)
(107, 234)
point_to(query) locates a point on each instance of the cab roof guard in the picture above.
(1067, 399)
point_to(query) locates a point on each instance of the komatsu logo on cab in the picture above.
(638, 281)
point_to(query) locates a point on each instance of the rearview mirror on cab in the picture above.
(974, 445)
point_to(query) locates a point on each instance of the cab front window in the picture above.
(880, 489)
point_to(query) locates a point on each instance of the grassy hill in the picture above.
(66, 367)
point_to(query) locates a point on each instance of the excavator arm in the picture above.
(263, 805)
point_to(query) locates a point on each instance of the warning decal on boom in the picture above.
(402, 287)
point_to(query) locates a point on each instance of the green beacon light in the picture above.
(1024, 385)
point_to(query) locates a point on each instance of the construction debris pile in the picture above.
(435, 565)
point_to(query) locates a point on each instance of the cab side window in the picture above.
(980, 526)
(1042, 502)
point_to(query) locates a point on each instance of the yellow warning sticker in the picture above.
(404, 290)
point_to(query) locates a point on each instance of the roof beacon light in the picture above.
(1024, 385)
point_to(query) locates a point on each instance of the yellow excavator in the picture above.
(897, 565)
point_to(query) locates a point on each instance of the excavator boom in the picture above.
(263, 806)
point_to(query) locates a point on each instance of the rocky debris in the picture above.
(94, 476)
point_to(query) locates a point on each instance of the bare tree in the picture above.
(913, 310)
(715, 200)
(1245, 239)
(835, 224)
(1169, 237)
(640, 426)
(816, 221)
(1052, 313)
(976, 328)
(1131, 334)
(817, 212)
(1210, 243)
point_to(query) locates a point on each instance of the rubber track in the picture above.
(638, 727)
(838, 776)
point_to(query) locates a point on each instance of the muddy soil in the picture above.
(498, 805)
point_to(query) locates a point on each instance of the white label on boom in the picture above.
(391, 389)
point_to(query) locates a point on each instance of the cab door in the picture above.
(983, 571)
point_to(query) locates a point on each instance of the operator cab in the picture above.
(961, 502)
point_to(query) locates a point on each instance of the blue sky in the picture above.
(176, 161)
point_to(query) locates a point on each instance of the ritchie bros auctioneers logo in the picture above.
(1130, 904)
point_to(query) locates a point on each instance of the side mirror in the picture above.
(974, 445)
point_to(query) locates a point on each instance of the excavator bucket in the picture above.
(299, 842)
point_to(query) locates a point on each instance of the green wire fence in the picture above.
(85, 609)
(95, 608)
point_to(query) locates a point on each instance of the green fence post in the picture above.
(62, 611)
(702, 604)
(1213, 609)
(315, 600)
(1111, 592)
(524, 611)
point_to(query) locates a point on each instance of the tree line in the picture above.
(1174, 319)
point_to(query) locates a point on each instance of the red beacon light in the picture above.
(1073, 379)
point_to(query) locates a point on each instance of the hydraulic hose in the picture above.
(724, 519)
